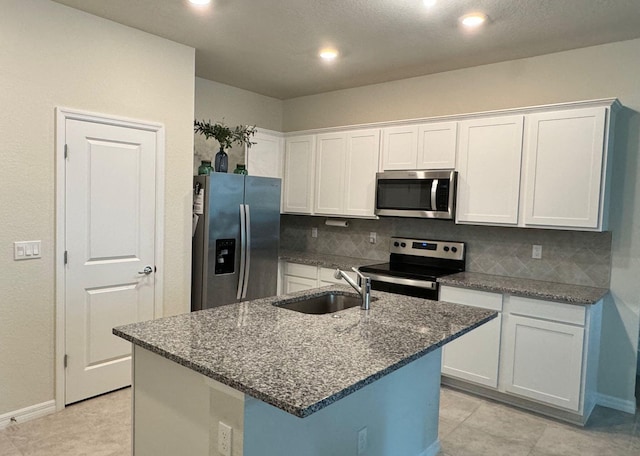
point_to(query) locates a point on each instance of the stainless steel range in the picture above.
(415, 265)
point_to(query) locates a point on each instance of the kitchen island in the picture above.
(292, 383)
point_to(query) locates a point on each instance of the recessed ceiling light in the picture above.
(429, 3)
(328, 55)
(473, 20)
(200, 2)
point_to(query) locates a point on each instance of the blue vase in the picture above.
(221, 162)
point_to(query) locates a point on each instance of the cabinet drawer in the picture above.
(326, 275)
(548, 310)
(472, 298)
(301, 270)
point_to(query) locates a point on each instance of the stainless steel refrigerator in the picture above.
(235, 244)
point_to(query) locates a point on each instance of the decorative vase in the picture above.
(222, 161)
(205, 168)
(240, 169)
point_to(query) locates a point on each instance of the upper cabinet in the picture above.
(489, 160)
(563, 162)
(346, 166)
(419, 146)
(546, 168)
(299, 173)
(265, 157)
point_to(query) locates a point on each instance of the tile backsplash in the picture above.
(575, 257)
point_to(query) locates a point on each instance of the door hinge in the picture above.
(66, 361)
(66, 151)
(66, 257)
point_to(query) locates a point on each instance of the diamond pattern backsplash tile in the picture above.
(575, 257)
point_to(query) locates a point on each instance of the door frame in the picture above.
(62, 115)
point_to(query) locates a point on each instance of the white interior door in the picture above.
(110, 239)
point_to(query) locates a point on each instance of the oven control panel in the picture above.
(425, 248)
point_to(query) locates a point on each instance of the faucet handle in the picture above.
(336, 274)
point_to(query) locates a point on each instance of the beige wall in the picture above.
(597, 72)
(233, 106)
(52, 56)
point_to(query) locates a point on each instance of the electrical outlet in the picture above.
(536, 252)
(373, 237)
(362, 440)
(314, 232)
(224, 439)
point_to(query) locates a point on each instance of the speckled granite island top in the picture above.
(324, 260)
(302, 363)
(551, 291)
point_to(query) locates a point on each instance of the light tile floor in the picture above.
(469, 426)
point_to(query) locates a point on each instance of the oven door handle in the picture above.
(402, 281)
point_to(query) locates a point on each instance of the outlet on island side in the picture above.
(362, 440)
(536, 252)
(224, 439)
(314, 232)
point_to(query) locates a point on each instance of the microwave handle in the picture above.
(434, 190)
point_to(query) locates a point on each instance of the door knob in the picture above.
(146, 271)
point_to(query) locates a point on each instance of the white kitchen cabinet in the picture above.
(326, 277)
(544, 360)
(299, 174)
(331, 149)
(265, 158)
(361, 166)
(437, 145)
(299, 277)
(563, 165)
(489, 160)
(346, 167)
(399, 147)
(475, 356)
(419, 146)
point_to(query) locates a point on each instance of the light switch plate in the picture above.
(27, 250)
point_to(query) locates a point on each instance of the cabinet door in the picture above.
(475, 356)
(299, 172)
(265, 157)
(292, 284)
(399, 147)
(489, 161)
(437, 145)
(362, 158)
(543, 361)
(563, 168)
(330, 159)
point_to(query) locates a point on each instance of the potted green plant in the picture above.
(226, 136)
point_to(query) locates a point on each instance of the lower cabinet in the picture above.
(475, 356)
(537, 354)
(300, 277)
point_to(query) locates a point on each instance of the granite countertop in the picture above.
(301, 363)
(324, 260)
(551, 291)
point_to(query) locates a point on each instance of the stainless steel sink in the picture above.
(324, 304)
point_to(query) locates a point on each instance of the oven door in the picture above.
(425, 194)
(408, 287)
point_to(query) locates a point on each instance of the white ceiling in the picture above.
(271, 46)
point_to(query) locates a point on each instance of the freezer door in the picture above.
(262, 201)
(226, 200)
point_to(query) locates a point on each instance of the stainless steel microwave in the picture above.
(421, 193)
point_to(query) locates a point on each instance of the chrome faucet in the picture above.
(364, 289)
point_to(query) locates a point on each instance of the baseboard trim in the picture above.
(616, 403)
(27, 413)
(432, 450)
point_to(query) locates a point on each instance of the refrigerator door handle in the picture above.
(248, 250)
(243, 251)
